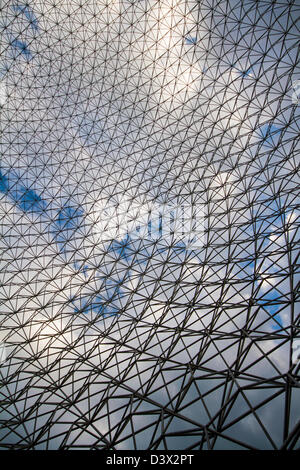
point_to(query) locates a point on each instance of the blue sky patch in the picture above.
(69, 218)
(246, 73)
(122, 248)
(65, 226)
(28, 13)
(3, 183)
(97, 305)
(191, 40)
(270, 303)
(29, 200)
(22, 47)
(269, 134)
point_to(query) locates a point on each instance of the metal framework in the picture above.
(139, 343)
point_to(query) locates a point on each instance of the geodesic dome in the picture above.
(134, 342)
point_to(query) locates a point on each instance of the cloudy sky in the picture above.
(134, 343)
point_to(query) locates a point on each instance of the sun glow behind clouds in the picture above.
(166, 30)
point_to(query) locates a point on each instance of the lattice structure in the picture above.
(140, 343)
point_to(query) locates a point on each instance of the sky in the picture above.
(172, 102)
